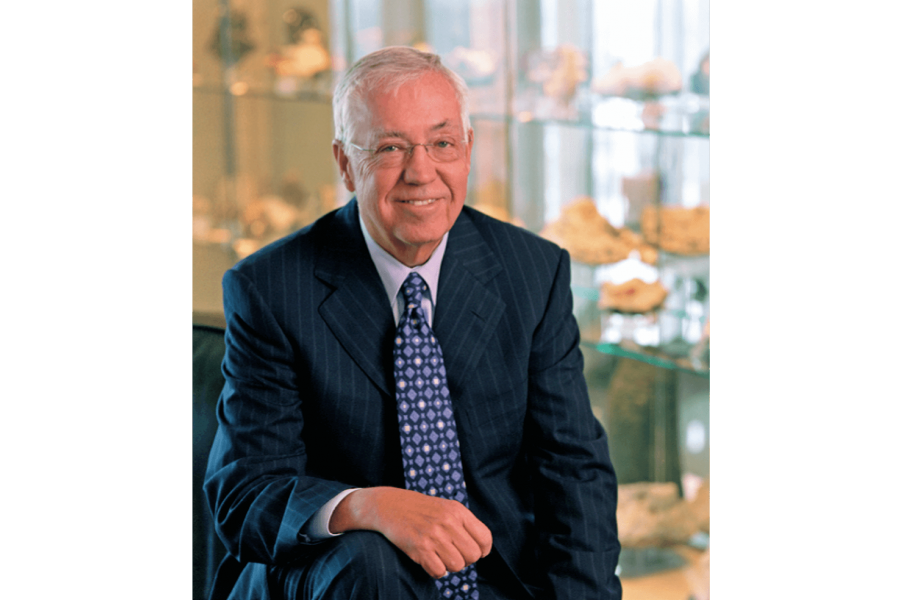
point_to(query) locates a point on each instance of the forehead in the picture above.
(420, 107)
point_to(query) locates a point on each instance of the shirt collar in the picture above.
(393, 272)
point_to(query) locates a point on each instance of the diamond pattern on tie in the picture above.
(431, 459)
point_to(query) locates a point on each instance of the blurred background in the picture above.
(592, 129)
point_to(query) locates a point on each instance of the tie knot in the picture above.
(413, 289)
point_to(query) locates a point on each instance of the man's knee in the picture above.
(369, 556)
(364, 564)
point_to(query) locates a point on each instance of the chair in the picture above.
(209, 349)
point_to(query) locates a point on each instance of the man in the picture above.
(405, 414)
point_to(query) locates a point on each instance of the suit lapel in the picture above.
(357, 311)
(467, 310)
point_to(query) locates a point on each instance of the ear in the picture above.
(469, 143)
(343, 162)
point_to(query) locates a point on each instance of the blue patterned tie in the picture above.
(431, 458)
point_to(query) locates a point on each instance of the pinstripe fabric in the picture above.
(308, 406)
(362, 565)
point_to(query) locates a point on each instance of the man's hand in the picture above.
(440, 535)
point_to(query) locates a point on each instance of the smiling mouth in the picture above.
(425, 202)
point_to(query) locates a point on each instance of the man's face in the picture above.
(407, 208)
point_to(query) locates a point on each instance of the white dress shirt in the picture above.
(393, 273)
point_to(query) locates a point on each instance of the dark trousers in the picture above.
(364, 565)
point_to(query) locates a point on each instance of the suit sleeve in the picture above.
(573, 480)
(256, 480)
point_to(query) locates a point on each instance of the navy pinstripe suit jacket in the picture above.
(308, 406)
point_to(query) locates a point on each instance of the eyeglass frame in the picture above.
(409, 151)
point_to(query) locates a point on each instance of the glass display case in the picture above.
(591, 123)
(262, 79)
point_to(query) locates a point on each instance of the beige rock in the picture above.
(633, 296)
(653, 515)
(676, 229)
(589, 237)
(653, 78)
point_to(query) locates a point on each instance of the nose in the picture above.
(419, 167)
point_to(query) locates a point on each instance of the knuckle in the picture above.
(427, 546)
(457, 510)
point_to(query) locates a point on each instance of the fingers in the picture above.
(480, 534)
(433, 565)
(440, 535)
(468, 549)
(451, 558)
(446, 550)
(466, 543)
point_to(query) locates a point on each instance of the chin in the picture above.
(420, 237)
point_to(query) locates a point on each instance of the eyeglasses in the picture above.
(395, 154)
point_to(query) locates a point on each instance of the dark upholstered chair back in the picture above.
(208, 552)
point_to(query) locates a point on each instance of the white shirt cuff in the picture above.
(317, 528)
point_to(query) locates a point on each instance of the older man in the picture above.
(405, 414)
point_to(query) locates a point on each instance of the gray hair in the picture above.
(388, 69)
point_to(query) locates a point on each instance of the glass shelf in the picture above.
(668, 338)
(626, 118)
(697, 365)
(301, 96)
(317, 96)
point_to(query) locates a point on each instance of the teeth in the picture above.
(420, 202)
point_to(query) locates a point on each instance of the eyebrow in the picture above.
(398, 134)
